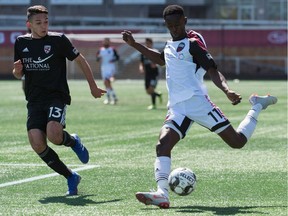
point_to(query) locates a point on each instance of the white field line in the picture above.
(86, 167)
(37, 165)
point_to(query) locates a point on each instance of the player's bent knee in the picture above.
(150, 91)
(55, 139)
(232, 138)
(55, 133)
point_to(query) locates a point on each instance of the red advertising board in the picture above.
(213, 37)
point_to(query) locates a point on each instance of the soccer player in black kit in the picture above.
(41, 57)
(151, 73)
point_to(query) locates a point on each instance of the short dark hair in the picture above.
(173, 9)
(36, 9)
(149, 40)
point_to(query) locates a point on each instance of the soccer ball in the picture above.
(182, 181)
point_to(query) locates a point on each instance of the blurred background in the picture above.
(247, 38)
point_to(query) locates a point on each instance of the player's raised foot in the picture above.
(151, 107)
(265, 101)
(73, 182)
(80, 149)
(153, 198)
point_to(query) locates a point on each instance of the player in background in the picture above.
(41, 57)
(151, 73)
(187, 60)
(107, 56)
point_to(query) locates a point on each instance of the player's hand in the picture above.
(128, 37)
(18, 69)
(234, 97)
(97, 92)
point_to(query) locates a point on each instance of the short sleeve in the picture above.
(16, 52)
(201, 55)
(70, 52)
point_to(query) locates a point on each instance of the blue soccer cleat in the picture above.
(73, 182)
(80, 149)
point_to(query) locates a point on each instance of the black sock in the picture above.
(68, 140)
(153, 97)
(50, 157)
(157, 94)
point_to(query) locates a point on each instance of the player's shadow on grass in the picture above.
(232, 210)
(79, 200)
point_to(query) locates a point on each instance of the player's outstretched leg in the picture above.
(73, 182)
(80, 149)
(265, 101)
(153, 198)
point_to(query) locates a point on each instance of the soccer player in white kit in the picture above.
(187, 60)
(107, 56)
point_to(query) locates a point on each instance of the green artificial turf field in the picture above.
(121, 140)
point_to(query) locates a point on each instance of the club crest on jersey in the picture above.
(180, 47)
(47, 49)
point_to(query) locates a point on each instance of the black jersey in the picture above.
(150, 72)
(44, 66)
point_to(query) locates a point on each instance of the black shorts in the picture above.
(151, 82)
(39, 114)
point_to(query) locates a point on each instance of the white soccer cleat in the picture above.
(153, 198)
(114, 102)
(265, 101)
(106, 101)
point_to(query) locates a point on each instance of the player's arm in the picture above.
(153, 55)
(141, 64)
(206, 61)
(17, 66)
(18, 69)
(86, 69)
(141, 67)
(220, 81)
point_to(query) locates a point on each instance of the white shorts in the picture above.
(199, 109)
(107, 71)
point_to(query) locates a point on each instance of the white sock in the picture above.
(162, 170)
(108, 93)
(112, 92)
(248, 125)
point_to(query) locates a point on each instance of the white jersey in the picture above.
(184, 75)
(107, 55)
(108, 58)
